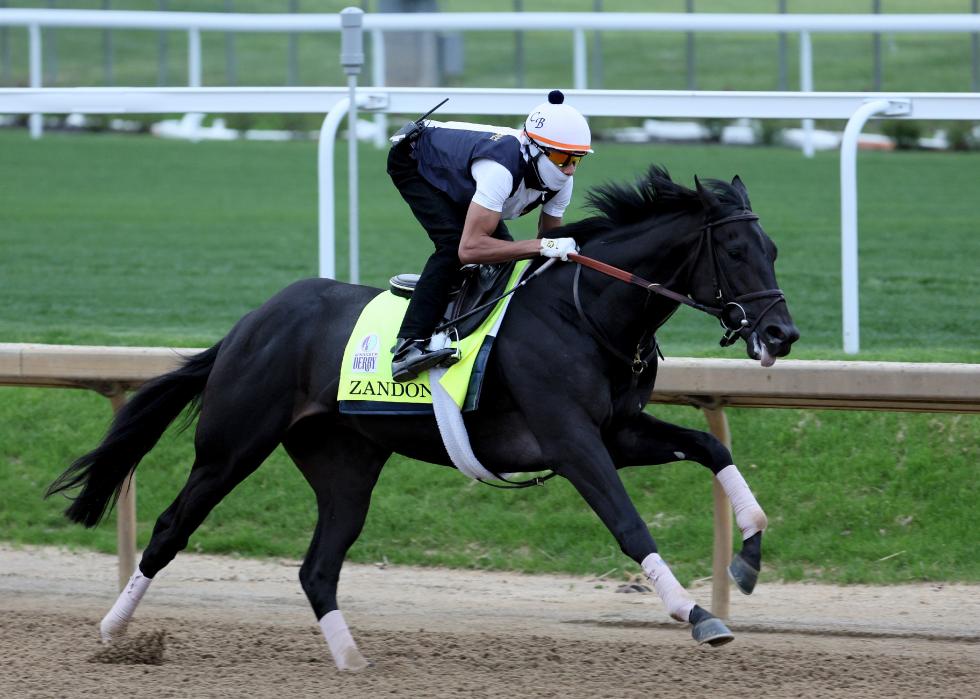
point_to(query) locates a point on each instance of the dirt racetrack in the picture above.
(226, 627)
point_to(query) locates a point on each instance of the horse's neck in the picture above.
(625, 313)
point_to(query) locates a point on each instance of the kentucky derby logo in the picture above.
(366, 358)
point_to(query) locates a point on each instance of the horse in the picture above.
(567, 381)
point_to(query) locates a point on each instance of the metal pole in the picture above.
(876, 48)
(107, 50)
(597, 52)
(806, 85)
(378, 78)
(292, 69)
(783, 81)
(352, 59)
(691, 81)
(125, 510)
(231, 64)
(580, 77)
(519, 48)
(722, 553)
(162, 49)
(35, 121)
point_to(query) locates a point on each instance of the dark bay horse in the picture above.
(567, 382)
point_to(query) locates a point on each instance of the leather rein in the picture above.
(728, 303)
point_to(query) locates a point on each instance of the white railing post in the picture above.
(36, 121)
(848, 213)
(325, 189)
(806, 85)
(194, 57)
(579, 59)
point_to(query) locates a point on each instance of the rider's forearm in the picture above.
(487, 250)
(478, 246)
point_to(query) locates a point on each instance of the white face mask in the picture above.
(550, 174)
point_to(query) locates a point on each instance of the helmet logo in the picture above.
(537, 119)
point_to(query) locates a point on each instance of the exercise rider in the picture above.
(461, 182)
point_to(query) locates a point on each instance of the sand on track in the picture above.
(242, 628)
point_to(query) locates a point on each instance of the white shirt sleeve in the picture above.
(493, 184)
(556, 207)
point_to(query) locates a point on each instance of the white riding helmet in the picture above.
(555, 125)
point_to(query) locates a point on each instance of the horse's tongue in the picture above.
(766, 359)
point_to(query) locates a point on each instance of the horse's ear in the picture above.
(740, 188)
(707, 197)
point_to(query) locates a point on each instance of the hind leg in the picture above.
(645, 440)
(342, 467)
(223, 461)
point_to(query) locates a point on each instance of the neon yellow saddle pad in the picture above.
(366, 385)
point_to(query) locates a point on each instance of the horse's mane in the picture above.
(619, 206)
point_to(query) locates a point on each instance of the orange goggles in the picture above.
(562, 158)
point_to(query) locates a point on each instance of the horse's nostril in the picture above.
(774, 332)
(782, 334)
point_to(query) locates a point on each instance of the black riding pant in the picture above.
(443, 219)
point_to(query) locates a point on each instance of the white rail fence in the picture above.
(711, 384)
(856, 108)
(575, 22)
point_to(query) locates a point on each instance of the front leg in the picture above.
(644, 440)
(586, 463)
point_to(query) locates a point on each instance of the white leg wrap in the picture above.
(114, 623)
(748, 515)
(341, 643)
(679, 604)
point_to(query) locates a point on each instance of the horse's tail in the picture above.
(135, 429)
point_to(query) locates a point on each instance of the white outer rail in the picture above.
(576, 22)
(708, 383)
(497, 102)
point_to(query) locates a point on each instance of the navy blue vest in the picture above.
(446, 155)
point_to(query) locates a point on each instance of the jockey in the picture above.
(461, 182)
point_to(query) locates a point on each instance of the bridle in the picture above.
(723, 290)
(727, 309)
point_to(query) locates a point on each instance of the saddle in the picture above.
(480, 285)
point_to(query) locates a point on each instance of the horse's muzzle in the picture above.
(774, 339)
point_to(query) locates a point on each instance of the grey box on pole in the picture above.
(352, 40)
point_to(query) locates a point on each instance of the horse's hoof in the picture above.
(110, 631)
(743, 574)
(712, 631)
(353, 661)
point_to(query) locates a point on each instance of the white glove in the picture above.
(558, 247)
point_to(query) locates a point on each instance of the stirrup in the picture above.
(417, 359)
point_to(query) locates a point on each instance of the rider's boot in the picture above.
(412, 357)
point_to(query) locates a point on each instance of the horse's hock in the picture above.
(711, 384)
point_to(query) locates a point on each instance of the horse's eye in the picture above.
(735, 253)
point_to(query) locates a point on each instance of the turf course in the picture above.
(130, 240)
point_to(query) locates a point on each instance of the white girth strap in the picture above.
(449, 418)
(115, 621)
(679, 604)
(453, 430)
(748, 515)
